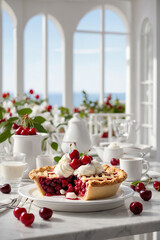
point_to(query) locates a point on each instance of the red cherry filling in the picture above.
(53, 186)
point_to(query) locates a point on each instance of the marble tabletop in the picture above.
(90, 226)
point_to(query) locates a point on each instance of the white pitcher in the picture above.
(31, 146)
(76, 132)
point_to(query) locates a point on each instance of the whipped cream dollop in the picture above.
(63, 169)
(71, 195)
(113, 146)
(89, 169)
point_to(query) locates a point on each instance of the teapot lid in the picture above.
(76, 118)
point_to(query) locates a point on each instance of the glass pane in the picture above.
(86, 66)
(54, 65)
(113, 23)
(33, 64)
(115, 66)
(7, 54)
(145, 115)
(91, 21)
(145, 92)
(144, 135)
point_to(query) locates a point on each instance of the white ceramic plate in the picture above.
(60, 203)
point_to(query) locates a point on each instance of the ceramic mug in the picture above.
(134, 167)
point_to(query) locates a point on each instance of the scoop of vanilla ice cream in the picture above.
(98, 167)
(63, 169)
(86, 170)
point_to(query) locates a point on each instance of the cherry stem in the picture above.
(30, 206)
(24, 202)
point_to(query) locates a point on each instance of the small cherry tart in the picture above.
(96, 186)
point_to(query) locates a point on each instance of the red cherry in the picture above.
(10, 114)
(156, 185)
(32, 131)
(18, 211)
(140, 186)
(85, 160)
(90, 157)
(13, 101)
(27, 98)
(146, 194)
(37, 96)
(27, 218)
(27, 128)
(15, 126)
(133, 187)
(136, 207)
(8, 110)
(76, 110)
(49, 108)
(19, 130)
(104, 135)
(24, 132)
(74, 154)
(91, 110)
(75, 163)
(8, 94)
(31, 91)
(6, 188)
(45, 213)
(4, 95)
(114, 161)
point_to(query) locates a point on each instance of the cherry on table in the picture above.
(18, 211)
(145, 194)
(136, 207)
(45, 213)
(156, 185)
(140, 186)
(6, 188)
(27, 218)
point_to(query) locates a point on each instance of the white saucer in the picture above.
(60, 203)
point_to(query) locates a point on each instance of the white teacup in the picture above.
(134, 167)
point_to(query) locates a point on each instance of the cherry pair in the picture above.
(141, 189)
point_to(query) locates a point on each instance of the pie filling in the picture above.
(53, 186)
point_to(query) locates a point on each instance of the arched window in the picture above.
(42, 42)
(100, 56)
(8, 76)
(146, 85)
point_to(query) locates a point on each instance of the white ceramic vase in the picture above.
(31, 146)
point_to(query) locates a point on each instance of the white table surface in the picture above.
(87, 226)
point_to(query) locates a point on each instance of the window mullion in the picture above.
(102, 58)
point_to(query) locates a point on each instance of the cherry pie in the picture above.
(97, 186)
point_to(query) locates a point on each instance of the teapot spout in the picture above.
(99, 151)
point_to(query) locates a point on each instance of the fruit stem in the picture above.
(24, 202)
(30, 206)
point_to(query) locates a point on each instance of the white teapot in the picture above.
(76, 132)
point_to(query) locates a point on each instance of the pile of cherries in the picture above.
(28, 218)
(146, 195)
(76, 161)
(23, 131)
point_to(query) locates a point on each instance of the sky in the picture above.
(86, 69)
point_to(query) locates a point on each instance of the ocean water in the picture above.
(56, 98)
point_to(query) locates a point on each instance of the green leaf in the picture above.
(24, 111)
(1, 112)
(13, 119)
(43, 143)
(39, 127)
(135, 183)
(54, 145)
(56, 159)
(61, 124)
(4, 135)
(39, 119)
(2, 124)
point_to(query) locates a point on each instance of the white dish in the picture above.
(60, 203)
